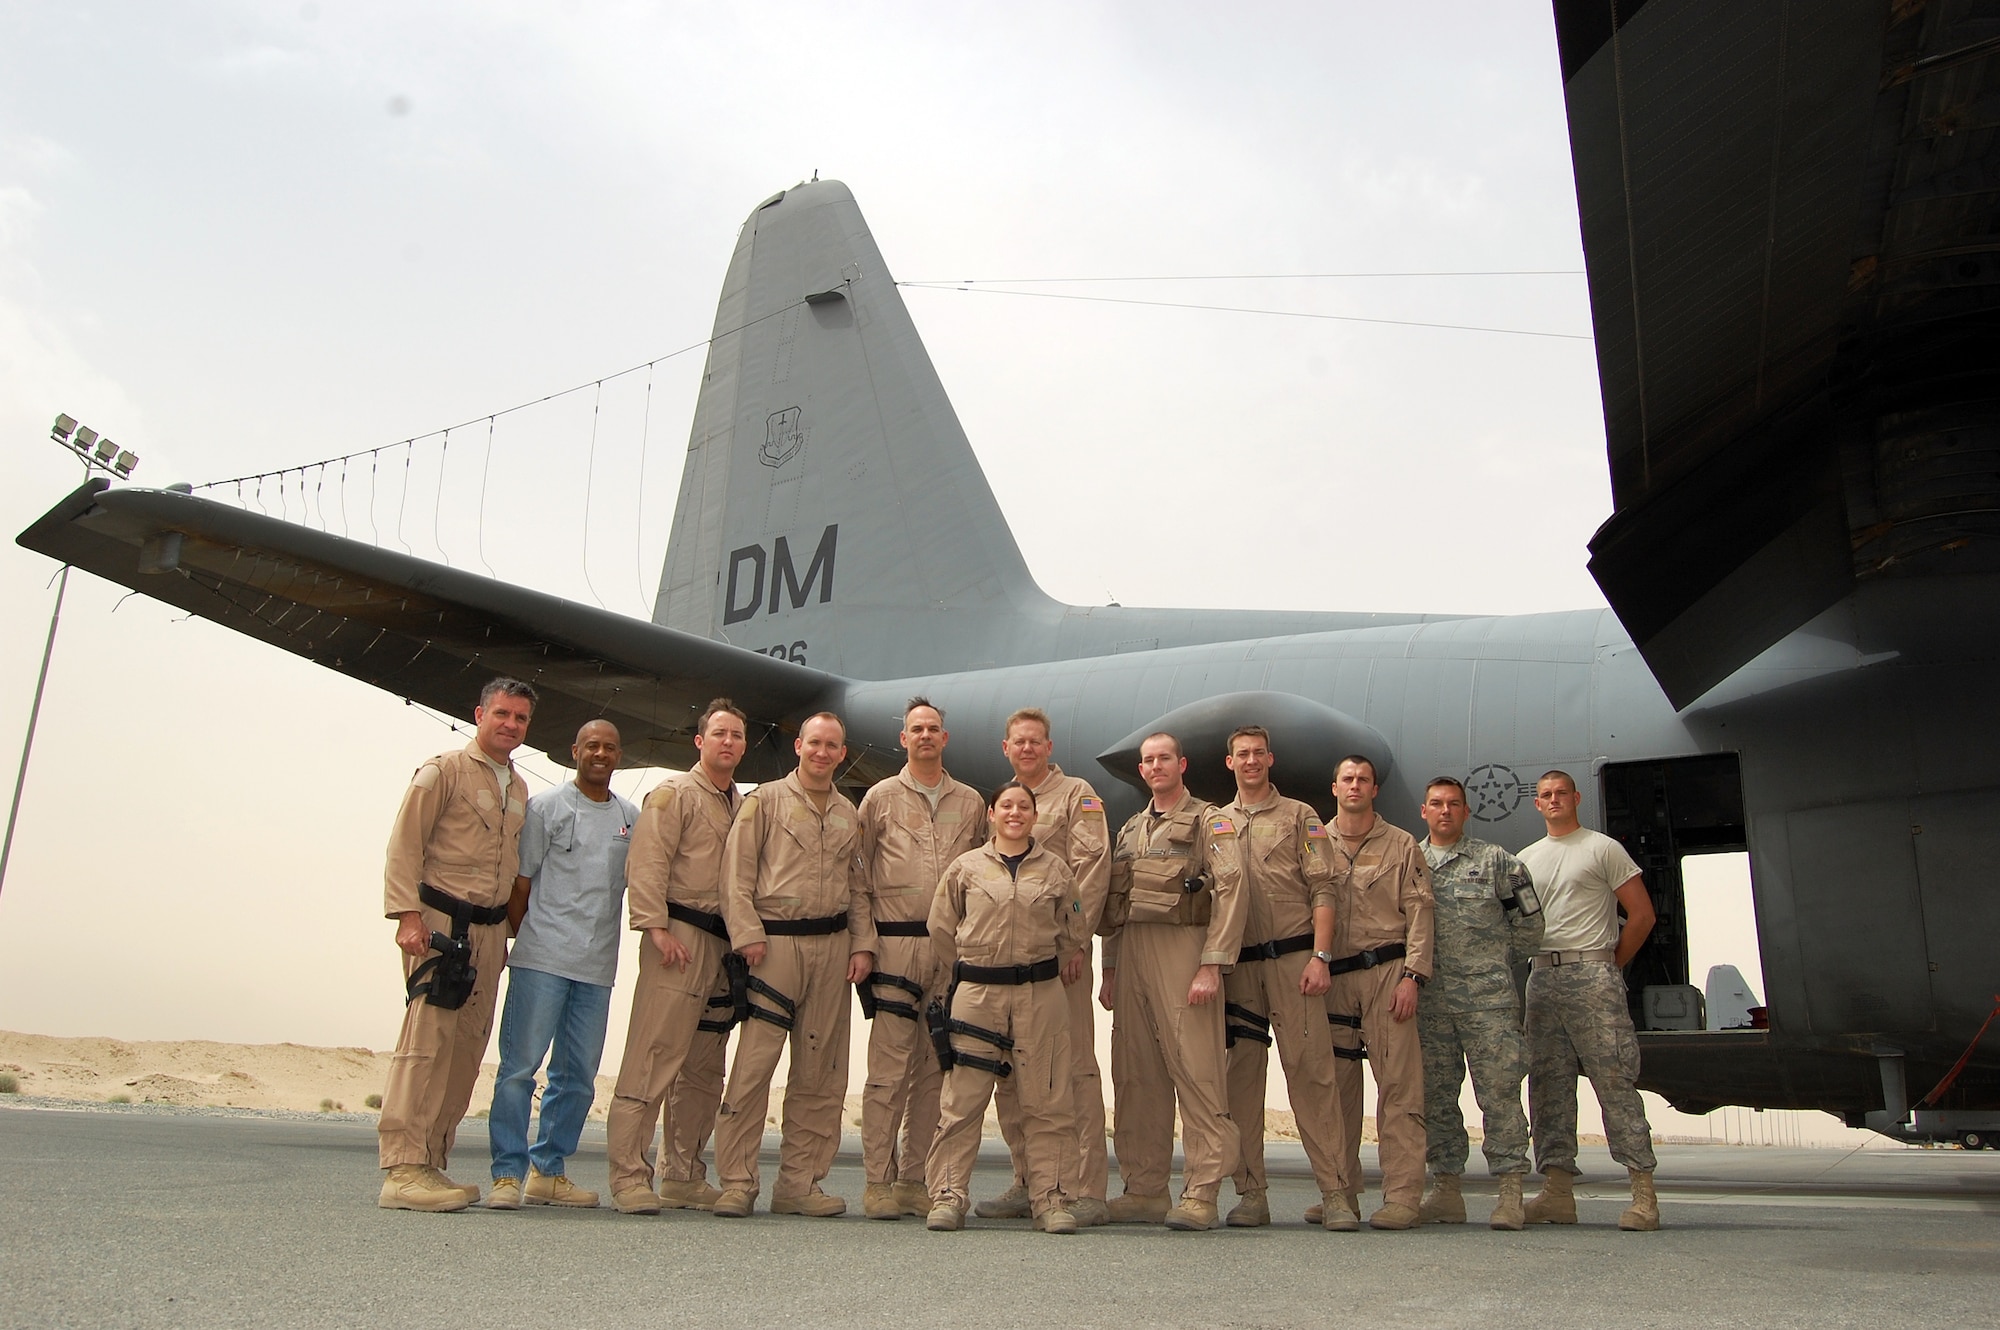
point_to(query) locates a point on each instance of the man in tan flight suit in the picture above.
(913, 825)
(673, 873)
(1069, 823)
(1173, 919)
(1278, 987)
(1382, 958)
(453, 855)
(795, 895)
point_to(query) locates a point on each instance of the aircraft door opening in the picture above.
(1662, 811)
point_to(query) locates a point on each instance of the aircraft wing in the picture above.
(1792, 233)
(430, 633)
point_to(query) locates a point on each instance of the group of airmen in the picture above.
(964, 924)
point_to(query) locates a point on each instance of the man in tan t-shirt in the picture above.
(794, 894)
(453, 855)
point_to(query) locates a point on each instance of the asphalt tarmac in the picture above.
(146, 1217)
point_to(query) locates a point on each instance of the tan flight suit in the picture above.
(459, 833)
(1287, 874)
(985, 915)
(676, 857)
(787, 860)
(1161, 1047)
(1383, 896)
(692, 1102)
(1070, 824)
(906, 848)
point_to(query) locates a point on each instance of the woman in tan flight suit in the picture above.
(1005, 919)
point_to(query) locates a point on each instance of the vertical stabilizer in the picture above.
(831, 509)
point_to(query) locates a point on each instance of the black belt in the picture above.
(1270, 951)
(460, 912)
(911, 928)
(1369, 959)
(708, 923)
(833, 923)
(1349, 1022)
(1006, 974)
(1243, 1023)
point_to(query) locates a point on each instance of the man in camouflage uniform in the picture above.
(1488, 925)
(1577, 1015)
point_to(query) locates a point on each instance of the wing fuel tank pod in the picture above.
(1308, 737)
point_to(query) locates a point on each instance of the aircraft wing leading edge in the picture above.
(426, 632)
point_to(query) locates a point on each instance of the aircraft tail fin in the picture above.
(831, 510)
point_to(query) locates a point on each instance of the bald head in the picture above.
(596, 753)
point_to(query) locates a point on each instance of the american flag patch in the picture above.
(1315, 830)
(1221, 826)
(1090, 803)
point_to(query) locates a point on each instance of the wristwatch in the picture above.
(1325, 956)
(1418, 979)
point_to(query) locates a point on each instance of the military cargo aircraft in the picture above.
(1801, 658)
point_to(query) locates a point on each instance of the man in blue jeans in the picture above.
(569, 900)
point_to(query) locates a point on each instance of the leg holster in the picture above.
(446, 979)
(1243, 1023)
(943, 1026)
(872, 1002)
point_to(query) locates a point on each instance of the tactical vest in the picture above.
(1155, 875)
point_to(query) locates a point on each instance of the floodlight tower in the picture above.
(97, 453)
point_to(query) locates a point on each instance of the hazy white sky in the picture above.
(241, 237)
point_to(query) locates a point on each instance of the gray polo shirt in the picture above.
(573, 850)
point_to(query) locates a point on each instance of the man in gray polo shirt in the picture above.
(572, 885)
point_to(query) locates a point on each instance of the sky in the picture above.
(243, 237)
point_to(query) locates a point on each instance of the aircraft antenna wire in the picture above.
(639, 519)
(589, 474)
(1249, 309)
(403, 499)
(485, 472)
(1252, 277)
(437, 499)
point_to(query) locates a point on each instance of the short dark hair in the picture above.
(1359, 759)
(512, 688)
(993, 799)
(921, 701)
(1245, 732)
(720, 706)
(1162, 734)
(1562, 776)
(1452, 781)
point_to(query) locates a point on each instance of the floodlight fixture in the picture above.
(123, 465)
(106, 450)
(96, 451)
(62, 429)
(85, 438)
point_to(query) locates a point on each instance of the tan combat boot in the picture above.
(696, 1195)
(1443, 1203)
(1193, 1216)
(469, 1189)
(1556, 1204)
(1090, 1212)
(1010, 1204)
(557, 1189)
(1055, 1219)
(878, 1201)
(815, 1204)
(912, 1198)
(505, 1194)
(1394, 1217)
(1337, 1213)
(1253, 1211)
(734, 1203)
(1507, 1215)
(415, 1187)
(634, 1201)
(1130, 1209)
(945, 1219)
(1643, 1215)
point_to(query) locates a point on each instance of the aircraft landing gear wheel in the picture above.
(1972, 1140)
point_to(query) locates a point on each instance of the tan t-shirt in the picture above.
(1577, 877)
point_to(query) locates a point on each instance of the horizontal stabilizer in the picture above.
(427, 632)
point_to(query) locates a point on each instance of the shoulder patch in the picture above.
(1315, 829)
(1219, 825)
(1090, 803)
(426, 775)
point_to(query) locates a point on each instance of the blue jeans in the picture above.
(545, 1010)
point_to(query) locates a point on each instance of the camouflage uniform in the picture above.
(1488, 926)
